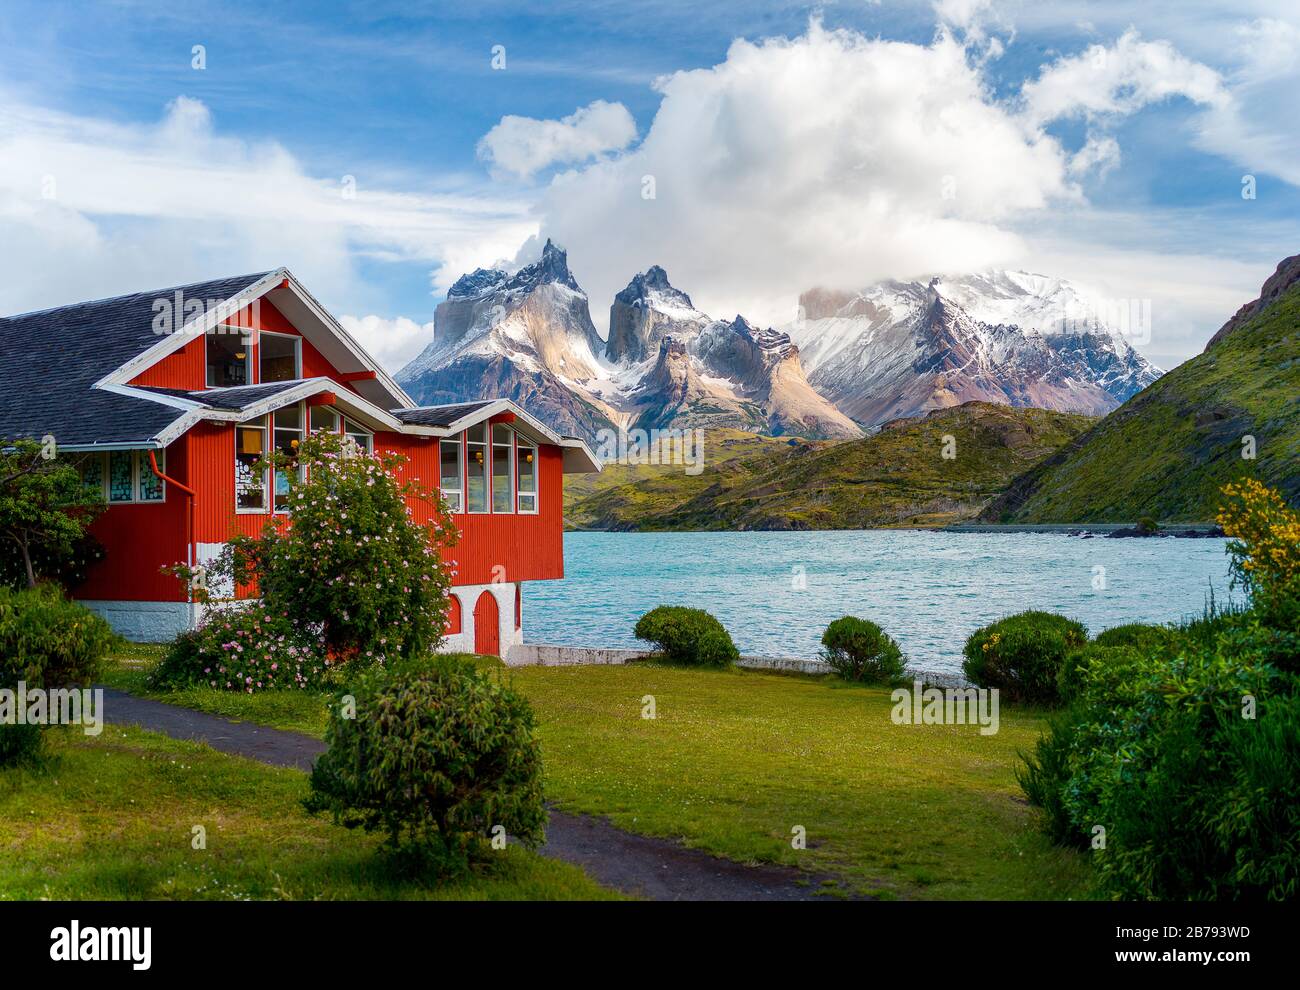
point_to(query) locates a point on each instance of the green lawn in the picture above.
(735, 760)
(112, 817)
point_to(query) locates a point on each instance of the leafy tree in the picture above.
(45, 510)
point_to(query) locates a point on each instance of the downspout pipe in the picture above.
(189, 518)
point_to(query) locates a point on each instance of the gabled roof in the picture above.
(66, 372)
(50, 359)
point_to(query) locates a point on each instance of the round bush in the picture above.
(859, 650)
(46, 641)
(1022, 655)
(435, 755)
(1136, 634)
(689, 636)
(244, 648)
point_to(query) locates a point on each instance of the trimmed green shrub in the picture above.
(46, 641)
(1022, 655)
(1136, 634)
(436, 755)
(689, 636)
(1148, 526)
(859, 650)
(244, 648)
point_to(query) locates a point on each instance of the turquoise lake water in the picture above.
(928, 590)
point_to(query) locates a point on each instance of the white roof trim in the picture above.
(544, 434)
(201, 324)
(197, 327)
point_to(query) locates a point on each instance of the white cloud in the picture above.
(90, 208)
(391, 342)
(830, 158)
(1119, 79)
(523, 146)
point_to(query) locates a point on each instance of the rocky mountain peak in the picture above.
(1286, 275)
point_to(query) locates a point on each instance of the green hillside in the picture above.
(898, 477)
(1168, 450)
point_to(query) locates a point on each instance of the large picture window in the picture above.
(124, 477)
(279, 357)
(450, 474)
(359, 435)
(527, 456)
(250, 484)
(288, 438)
(229, 357)
(476, 468)
(324, 420)
(503, 469)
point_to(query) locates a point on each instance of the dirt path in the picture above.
(657, 869)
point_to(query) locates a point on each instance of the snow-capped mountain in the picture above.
(526, 337)
(903, 348)
(678, 367)
(529, 337)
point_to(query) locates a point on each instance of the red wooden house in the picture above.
(169, 397)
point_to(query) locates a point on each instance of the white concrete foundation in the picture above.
(147, 622)
(509, 635)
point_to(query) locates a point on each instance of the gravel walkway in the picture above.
(657, 869)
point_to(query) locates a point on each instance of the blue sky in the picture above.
(125, 168)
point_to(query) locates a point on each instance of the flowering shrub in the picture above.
(351, 569)
(1022, 655)
(1266, 540)
(246, 649)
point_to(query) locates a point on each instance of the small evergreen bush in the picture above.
(435, 755)
(1022, 655)
(688, 636)
(859, 650)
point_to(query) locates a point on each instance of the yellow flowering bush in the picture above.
(1266, 539)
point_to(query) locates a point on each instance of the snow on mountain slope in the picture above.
(902, 348)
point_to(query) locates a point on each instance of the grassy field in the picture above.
(734, 761)
(112, 817)
(896, 477)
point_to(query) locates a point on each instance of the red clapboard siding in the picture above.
(139, 541)
(180, 369)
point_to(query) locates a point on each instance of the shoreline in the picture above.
(1206, 530)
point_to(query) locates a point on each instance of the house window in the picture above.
(449, 476)
(250, 484)
(123, 477)
(503, 469)
(288, 438)
(362, 437)
(527, 455)
(280, 357)
(476, 468)
(324, 420)
(229, 357)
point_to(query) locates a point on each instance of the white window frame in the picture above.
(458, 441)
(302, 468)
(487, 469)
(509, 446)
(297, 352)
(226, 330)
(139, 468)
(535, 494)
(268, 499)
(353, 429)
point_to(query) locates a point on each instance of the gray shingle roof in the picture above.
(438, 415)
(50, 359)
(228, 399)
